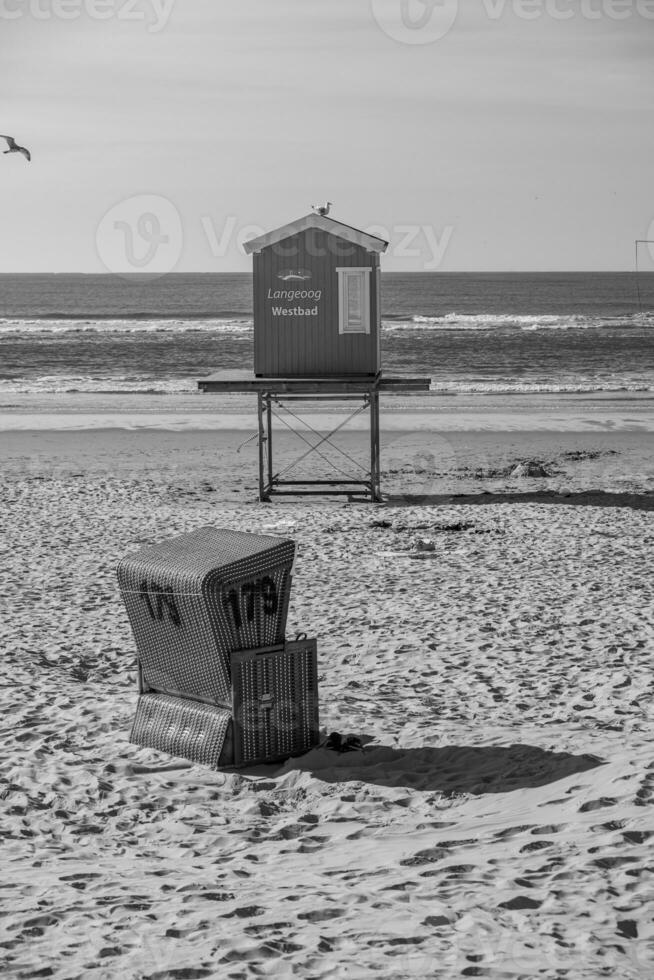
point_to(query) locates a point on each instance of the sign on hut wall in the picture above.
(294, 289)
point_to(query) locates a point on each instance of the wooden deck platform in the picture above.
(244, 381)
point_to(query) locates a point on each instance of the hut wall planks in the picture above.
(297, 299)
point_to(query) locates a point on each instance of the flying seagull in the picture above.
(322, 209)
(15, 148)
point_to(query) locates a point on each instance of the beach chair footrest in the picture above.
(192, 730)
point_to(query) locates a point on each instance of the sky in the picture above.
(483, 135)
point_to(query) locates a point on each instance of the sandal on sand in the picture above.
(340, 743)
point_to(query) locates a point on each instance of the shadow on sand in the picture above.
(583, 498)
(451, 769)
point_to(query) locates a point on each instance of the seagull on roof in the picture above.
(322, 209)
(15, 148)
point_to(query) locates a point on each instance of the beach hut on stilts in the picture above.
(317, 336)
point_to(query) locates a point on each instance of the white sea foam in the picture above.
(537, 387)
(117, 384)
(72, 384)
(34, 327)
(531, 322)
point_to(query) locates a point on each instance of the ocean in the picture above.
(494, 332)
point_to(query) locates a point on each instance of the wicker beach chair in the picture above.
(218, 683)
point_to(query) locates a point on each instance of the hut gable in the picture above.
(317, 222)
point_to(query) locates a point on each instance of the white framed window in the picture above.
(354, 299)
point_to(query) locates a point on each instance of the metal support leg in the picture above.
(269, 444)
(262, 439)
(375, 474)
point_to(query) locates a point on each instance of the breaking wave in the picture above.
(40, 326)
(511, 321)
(537, 387)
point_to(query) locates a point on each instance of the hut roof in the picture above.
(322, 223)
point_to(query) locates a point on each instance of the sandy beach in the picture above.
(495, 660)
(435, 218)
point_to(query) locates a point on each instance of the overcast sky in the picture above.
(522, 138)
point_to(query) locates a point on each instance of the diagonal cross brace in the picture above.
(314, 447)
